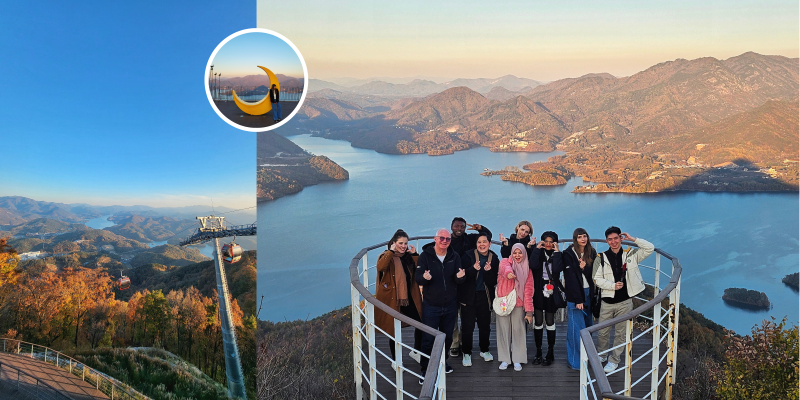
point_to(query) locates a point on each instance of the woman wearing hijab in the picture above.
(397, 289)
(514, 274)
(579, 288)
(546, 265)
(522, 234)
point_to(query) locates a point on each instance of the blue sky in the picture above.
(242, 55)
(104, 103)
(542, 40)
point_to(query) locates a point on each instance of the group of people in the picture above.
(458, 274)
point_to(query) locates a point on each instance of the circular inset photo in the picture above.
(256, 80)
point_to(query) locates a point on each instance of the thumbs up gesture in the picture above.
(460, 273)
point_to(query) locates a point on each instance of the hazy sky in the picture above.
(242, 55)
(538, 40)
(104, 103)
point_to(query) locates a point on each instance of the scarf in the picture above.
(400, 283)
(520, 270)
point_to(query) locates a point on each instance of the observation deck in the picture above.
(651, 348)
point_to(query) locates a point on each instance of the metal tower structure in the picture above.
(213, 228)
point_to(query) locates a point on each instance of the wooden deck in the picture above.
(483, 380)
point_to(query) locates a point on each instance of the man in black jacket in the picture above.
(439, 273)
(463, 243)
(275, 99)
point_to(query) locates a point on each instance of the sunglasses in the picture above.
(443, 238)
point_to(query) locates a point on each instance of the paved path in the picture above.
(58, 378)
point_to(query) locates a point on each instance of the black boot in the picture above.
(537, 335)
(551, 342)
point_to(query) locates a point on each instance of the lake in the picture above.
(307, 240)
(99, 222)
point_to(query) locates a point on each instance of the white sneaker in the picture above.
(414, 355)
(503, 365)
(517, 367)
(487, 356)
(610, 367)
(604, 358)
(467, 360)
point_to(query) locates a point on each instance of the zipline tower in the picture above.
(212, 227)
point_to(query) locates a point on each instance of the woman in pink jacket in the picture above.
(514, 274)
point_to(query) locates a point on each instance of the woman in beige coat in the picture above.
(397, 289)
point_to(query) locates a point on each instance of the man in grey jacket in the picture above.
(616, 273)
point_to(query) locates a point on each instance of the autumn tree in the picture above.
(8, 268)
(84, 290)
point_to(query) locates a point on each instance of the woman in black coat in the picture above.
(579, 288)
(522, 234)
(475, 296)
(546, 264)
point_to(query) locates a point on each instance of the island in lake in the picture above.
(791, 280)
(746, 298)
(683, 125)
(285, 168)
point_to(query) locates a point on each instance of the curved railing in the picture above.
(29, 384)
(663, 325)
(594, 382)
(365, 352)
(109, 386)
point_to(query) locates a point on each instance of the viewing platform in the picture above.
(28, 370)
(651, 348)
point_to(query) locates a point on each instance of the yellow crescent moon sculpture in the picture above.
(262, 106)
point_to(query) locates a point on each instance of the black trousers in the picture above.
(479, 311)
(410, 311)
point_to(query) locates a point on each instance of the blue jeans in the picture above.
(441, 318)
(578, 319)
(276, 111)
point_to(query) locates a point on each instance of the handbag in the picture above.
(597, 300)
(503, 306)
(560, 301)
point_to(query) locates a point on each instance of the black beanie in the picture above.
(550, 234)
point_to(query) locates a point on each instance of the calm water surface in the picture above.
(308, 239)
(99, 222)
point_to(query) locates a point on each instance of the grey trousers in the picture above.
(457, 331)
(511, 337)
(609, 311)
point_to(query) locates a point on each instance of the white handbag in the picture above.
(504, 305)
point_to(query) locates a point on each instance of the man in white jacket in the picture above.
(616, 273)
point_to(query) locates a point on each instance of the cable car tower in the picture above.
(212, 227)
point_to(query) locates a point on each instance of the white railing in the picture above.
(366, 360)
(14, 378)
(663, 329)
(661, 325)
(109, 386)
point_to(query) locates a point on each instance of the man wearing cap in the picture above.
(616, 272)
(439, 272)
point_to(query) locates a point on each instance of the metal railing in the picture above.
(663, 325)
(14, 378)
(249, 94)
(365, 333)
(111, 387)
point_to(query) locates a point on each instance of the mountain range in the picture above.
(424, 87)
(660, 105)
(258, 80)
(16, 210)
